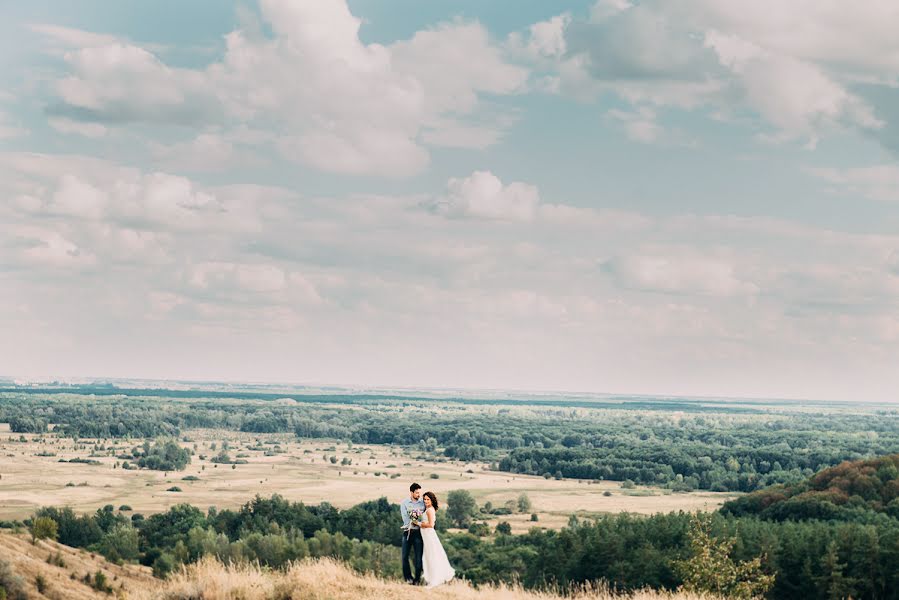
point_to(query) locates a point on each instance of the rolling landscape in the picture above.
(462, 300)
(164, 479)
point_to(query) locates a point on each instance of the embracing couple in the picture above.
(420, 539)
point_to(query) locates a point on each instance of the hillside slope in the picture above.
(210, 580)
(842, 492)
(329, 580)
(27, 561)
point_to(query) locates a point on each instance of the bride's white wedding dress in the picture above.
(435, 564)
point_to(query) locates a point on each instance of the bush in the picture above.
(120, 544)
(534, 517)
(435, 476)
(99, 583)
(12, 586)
(163, 565)
(504, 528)
(174, 488)
(524, 503)
(479, 529)
(164, 455)
(44, 528)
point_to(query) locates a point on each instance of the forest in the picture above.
(679, 445)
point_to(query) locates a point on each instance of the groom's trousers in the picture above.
(412, 544)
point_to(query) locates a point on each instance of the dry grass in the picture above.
(30, 560)
(328, 580)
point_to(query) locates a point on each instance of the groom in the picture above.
(412, 534)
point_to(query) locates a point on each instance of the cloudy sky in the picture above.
(672, 197)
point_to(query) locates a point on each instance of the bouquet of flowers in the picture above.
(414, 519)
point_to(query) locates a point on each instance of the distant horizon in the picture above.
(359, 388)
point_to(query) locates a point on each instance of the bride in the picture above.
(437, 569)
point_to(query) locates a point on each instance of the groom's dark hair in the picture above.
(414, 487)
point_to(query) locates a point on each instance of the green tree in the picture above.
(710, 568)
(44, 528)
(461, 507)
(833, 583)
(524, 503)
(120, 544)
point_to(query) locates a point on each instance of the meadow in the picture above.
(33, 476)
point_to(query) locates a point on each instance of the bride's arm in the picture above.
(432, 516)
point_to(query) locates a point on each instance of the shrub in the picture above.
(40, 583)
(12, 586)
(524, 503)
(43, 528)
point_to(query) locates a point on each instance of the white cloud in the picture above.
(880, 182)
(322, 282)
(795, 96)
(679, 275)
(76, 198)
(482, 195)
(71, 37)
(545, 39)
(98, 190)
(247, 277)
(87, 129)
(795, 67)
(331, 101)
(642, 125)
(603, 9)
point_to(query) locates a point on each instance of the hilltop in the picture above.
(211, 580)
(328, 580)
(847, 491)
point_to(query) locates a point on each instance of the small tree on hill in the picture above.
(44, 528)
(710, 568)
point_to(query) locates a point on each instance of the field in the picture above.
(32, 476)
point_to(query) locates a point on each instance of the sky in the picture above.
(687, 197)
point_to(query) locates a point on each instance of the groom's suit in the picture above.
(412, 542)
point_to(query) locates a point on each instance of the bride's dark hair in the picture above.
(433, 498)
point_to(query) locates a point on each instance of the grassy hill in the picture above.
(329, 580)
(848, 491)
(63, 570)
(22, 564)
